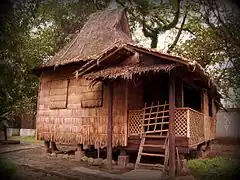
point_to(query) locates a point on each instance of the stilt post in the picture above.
(172, 158)
(109, 131)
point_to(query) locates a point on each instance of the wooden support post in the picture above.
(172, 158)
(126, 113)
(54, 146)
(80, 152)
(123, 158)
(109, 131)
(98, 150)
(47, 145)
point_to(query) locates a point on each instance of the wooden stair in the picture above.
(150, 131)
(161, 155)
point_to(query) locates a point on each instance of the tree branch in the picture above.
(121, 3)
(147, 30)
(223, 26)
(178, 34)
(176, 17)
(187, 29)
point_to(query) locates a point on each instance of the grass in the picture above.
(8, 169)
(27, 139)
(217, 168)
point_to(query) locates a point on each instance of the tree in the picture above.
(216, 45)
(154, 17)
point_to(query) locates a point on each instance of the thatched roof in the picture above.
(102, 32)
(104, 39)
(127, 72)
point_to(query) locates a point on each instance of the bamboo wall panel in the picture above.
(196, 125)
(213, 120)
(77, 125)
(207, 130)
(58, 94)
(92, 95)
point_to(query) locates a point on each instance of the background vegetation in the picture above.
(216, 168)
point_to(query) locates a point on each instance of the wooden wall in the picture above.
(209, 121)
(74, 124)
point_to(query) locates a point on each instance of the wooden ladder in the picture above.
(164, 155)
(151, 134)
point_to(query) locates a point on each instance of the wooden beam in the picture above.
(97, 62)
(126, 112)
(172, 158)
(109, 131)
(160, 55)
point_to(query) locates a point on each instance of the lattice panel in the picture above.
(181, 122)
(196, 120)
(134, 122)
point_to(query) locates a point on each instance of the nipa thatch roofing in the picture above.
(127, 72)
(104, 34)
(101, 32)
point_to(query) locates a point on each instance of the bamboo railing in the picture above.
(188, 123)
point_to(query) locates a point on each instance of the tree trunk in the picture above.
(154, 41)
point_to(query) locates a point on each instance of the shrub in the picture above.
(8, 169)
(216, 168)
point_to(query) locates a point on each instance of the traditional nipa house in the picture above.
(102, 89)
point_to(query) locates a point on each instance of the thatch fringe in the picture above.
(127, 72)
(74, 138)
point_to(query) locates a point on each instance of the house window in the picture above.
(92, 95)
(58, 94)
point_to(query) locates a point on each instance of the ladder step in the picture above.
(153, 145)
(154, 136)
(150, 154)
(151, 165)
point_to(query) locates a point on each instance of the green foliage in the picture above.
(26, 139)
(8, 169)
(215, 45)
(31, 32)
(212, 169)
(154, 17)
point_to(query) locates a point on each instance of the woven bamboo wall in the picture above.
(207, 131)
(74, 124)
(209, 121)
(196, 127)
(213, 120)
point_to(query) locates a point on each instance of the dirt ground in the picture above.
(26, 173)
(34, 163)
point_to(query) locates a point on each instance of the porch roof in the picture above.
(127, 72)
(111, 72)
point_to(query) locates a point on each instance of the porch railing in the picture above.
(188, 123)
